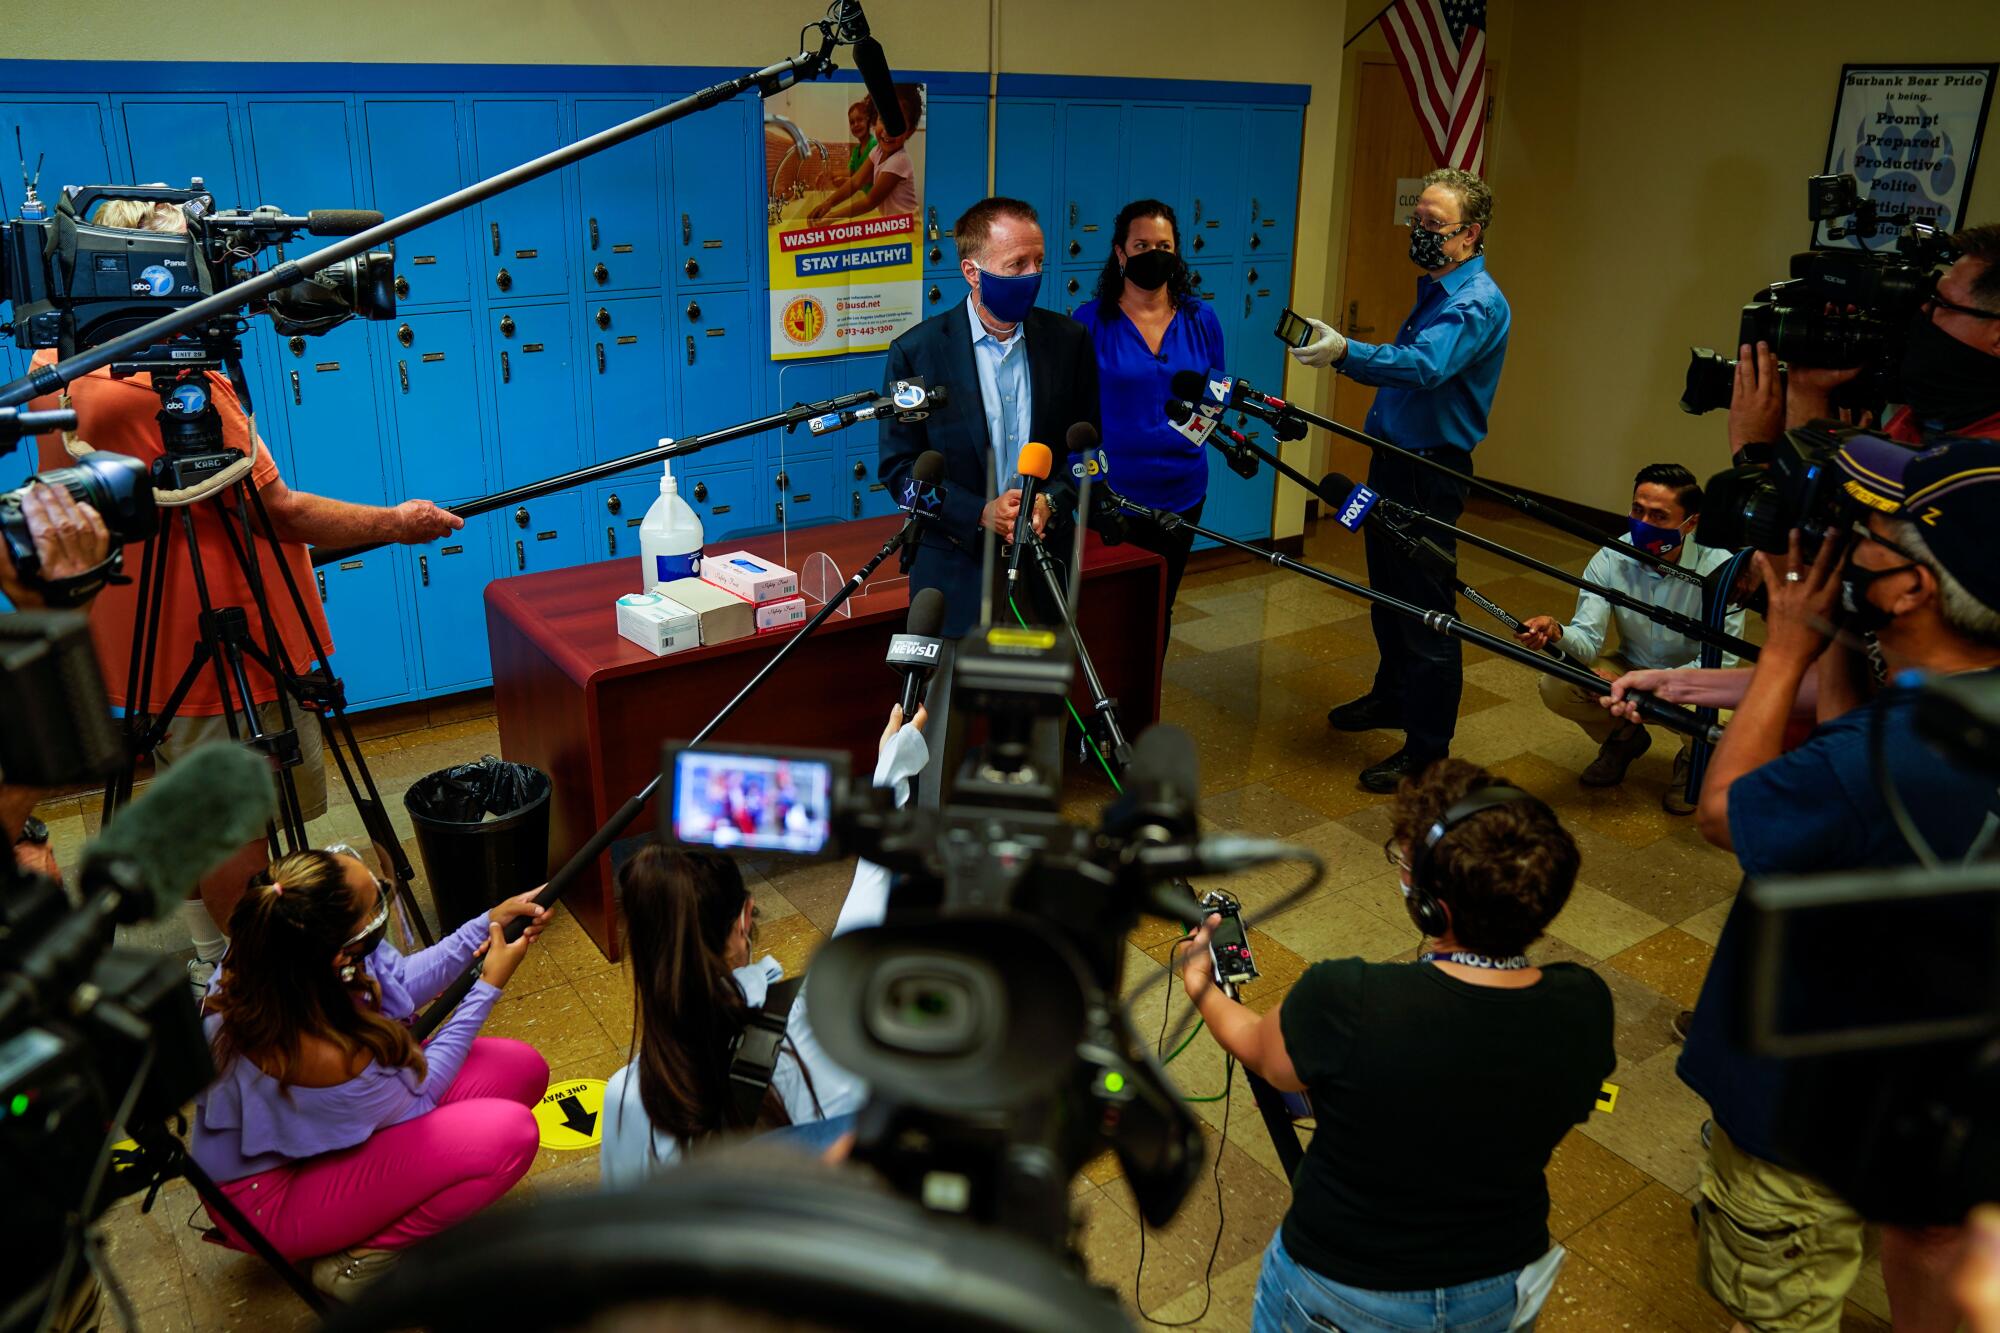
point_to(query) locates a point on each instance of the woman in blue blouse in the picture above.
(1147, 324)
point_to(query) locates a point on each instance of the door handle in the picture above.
(593, 233)
(521, 556)
(1354, 324)
(506, 371)
(600, 354)
(298, 399)
(1246, 305)
(687, 237)
(496, 240)
(320, 574)
(403, 373)
(424, 569)
(690, 349)
(504, 280)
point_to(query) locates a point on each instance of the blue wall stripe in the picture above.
(1173, 90)
(58, 77)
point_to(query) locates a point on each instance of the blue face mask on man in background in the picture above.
(1651, 537)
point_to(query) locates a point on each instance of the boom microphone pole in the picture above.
(1290, 420)
(1667, 715)
(921, 502)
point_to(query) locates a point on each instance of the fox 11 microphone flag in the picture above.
(850, 279)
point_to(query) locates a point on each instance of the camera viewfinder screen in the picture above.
(752, 802)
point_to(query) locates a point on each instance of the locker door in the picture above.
(521, 231)
(802, 490)
(544, 534)
(327, 397)
(711, 344)
(1220, 283)
(1070, 287)
(1213, 222)
(175, 141)
(363, 604)
(1156, 159)
(1272, 178)
(858, 494)
(943, 290)
(68, 137)
(625, 363)
(536, 392)
(1024, 161)
(1254, 350)
(710, 218)
(452, 574)
(725, 502)
(954, 172)
(614, 515)
(620, 193)
(1090, 194)
(412, 159)
(298, 180)
(434, 401)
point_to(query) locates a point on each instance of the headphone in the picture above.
(1427, 911)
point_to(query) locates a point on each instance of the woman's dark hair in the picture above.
(680, 908)
(1504, 873)
(279, 985)
(1111, 279)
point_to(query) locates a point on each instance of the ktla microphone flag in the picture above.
(851, 279)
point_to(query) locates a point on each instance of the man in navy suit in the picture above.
(1015, 373)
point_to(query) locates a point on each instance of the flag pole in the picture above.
(1369, 24)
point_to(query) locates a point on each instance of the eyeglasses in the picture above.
(1934, 300)
(1442, 229)
(1861, 529)
(378, 925)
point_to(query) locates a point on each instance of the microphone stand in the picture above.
(622, 818)
(1686, 626)
(535, 490)
(1535, 509)
(1118, 751)
(1682, 720)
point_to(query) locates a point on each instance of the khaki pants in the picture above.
(1777, 1248)
(185, 733)
(1581, 707)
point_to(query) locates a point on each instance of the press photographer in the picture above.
(1780, 1245)
(119, 414)
(1440, 1087)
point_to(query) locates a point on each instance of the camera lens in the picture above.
(1710, 381)
(117, 487)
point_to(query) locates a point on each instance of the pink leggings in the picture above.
(413, 1179)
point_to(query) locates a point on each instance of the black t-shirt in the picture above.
(1439, 1103)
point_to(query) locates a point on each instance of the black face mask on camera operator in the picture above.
(1949, 381)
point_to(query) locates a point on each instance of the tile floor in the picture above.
(1258, 655)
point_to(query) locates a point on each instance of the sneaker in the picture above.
(1677, 799)
(200, 972)
(1680, 1024)
(1388, 775)
(1615, 756)
(1371, 712)
(345, 1275)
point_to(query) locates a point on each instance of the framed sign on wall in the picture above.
(1909, 134)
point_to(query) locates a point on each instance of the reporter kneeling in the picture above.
(1441, 1086)
(333, 1131)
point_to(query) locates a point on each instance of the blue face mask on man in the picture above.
(1009, 298)
(1650, 537)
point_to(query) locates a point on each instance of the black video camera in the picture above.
(75, 283)
(1793, 483)
(1884, 289)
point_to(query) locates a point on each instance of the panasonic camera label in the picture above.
(1355, 512)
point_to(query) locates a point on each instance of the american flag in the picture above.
(1440, 46)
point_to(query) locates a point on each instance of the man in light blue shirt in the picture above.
(1666, 502)
(1435, 385)
(1005, 391)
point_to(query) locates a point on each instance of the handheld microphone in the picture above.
(910, 401)
(921, 494)
(194, 816)
(341, 221)
(1237, 393)
(1088, 462)
(1364, 506)
(915, 652)
(1033, 465)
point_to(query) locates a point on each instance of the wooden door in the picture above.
(1381, 282)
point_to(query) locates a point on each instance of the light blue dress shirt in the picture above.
(1438, 378)
(1004, 390)
(1645, 643)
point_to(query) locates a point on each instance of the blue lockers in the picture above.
(583, 316)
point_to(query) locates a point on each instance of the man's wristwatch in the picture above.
(34, 832)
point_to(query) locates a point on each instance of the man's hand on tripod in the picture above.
(419, 521)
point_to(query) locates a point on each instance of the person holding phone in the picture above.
(1411, 1210)
(1145, 324)
(1435, 386)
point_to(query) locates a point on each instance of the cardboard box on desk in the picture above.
(753, 579)
(724, 616)
(657, 623)
(781, 614)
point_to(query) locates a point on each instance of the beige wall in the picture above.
(1291, 41)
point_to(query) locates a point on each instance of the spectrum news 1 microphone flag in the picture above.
(843, 283)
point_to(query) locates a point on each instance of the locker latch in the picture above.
(690, 352)
(1072, 218)
(496, 239)
(504, 280)
(601, 273)
(506, 371)
(611, 540)
(693, 311)
(424, 569)
(403, 373)
(687, 238)
(931, 233)
(521, 555)
(600, 354)
(603, 317)
(857, 504)
(521, 517)
(297, 398)
(320, 574)
(593, 233)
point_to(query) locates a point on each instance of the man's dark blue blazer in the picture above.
(1062, 378)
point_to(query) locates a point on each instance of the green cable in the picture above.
(1199, 1024)
(1218, 1097)
(1088, 738)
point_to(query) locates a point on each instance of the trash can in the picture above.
(483, 833)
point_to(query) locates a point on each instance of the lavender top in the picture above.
(244, 1123)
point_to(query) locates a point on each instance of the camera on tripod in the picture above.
(75, 283)
(1792, 316)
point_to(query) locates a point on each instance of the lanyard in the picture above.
(1514, 964)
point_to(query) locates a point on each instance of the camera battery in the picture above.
(753, 579)
(657, 623)
(724, 616)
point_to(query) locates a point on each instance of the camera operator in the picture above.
(1666, 501)
(70, 539)
(1411, 1211)
(1436, 386)
(119, 414)
(1778, 1247)
(1950, 371)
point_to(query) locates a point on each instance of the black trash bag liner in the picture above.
(489, 787)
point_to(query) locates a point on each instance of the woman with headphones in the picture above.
(1440, 1087)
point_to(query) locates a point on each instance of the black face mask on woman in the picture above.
(1945, 380)
(1151, 270)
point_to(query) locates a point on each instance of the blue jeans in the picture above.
(813, 1136)
(1292, 1298)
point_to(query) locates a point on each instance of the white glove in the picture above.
(1324, 350)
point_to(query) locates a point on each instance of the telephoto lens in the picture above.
(117, 487)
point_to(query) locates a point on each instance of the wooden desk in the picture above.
(591, 709)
